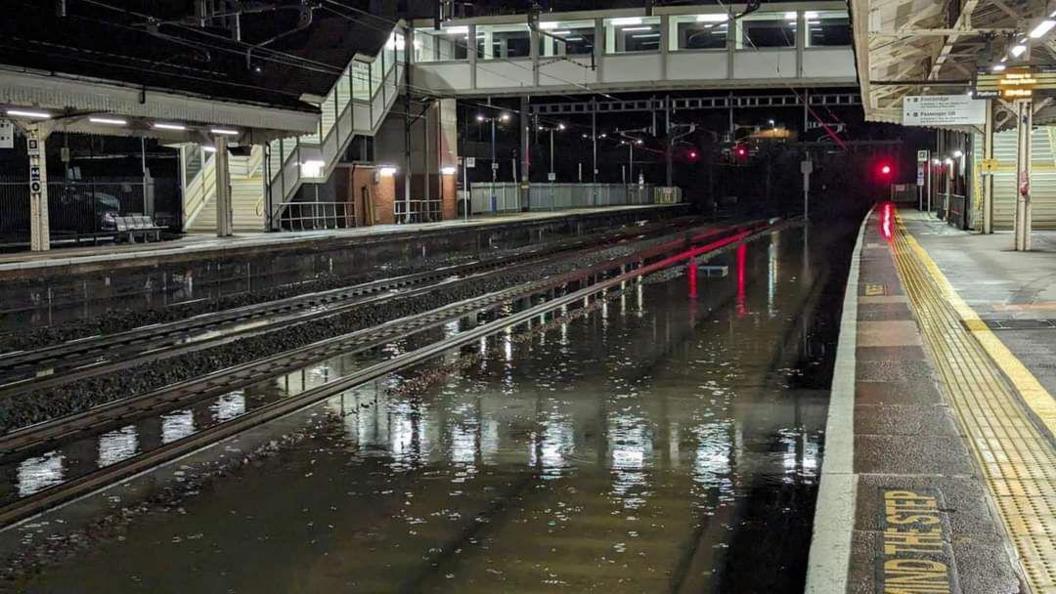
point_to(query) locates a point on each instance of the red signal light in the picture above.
(885, 169)
(742, 152)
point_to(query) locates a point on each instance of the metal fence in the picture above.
(77, 211)
(506, 197)
(309, 216)
(417, 211)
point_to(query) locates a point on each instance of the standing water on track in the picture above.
(666, 439)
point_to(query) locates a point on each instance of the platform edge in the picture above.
(830, 545)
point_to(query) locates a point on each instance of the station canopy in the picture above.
(121, 67)
(934, 47)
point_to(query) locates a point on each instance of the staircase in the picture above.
(356, 105)
(247, 204)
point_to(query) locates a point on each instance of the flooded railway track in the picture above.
(27, 371)
(591, 282)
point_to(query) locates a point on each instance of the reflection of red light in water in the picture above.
(692, 273)
(742, 298)
(887, 221)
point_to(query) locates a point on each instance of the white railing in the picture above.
(506, 197)
(198, 192)
(356, 105)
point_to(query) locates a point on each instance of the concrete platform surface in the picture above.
(200, 243)
(940, 465)
(1014, 293)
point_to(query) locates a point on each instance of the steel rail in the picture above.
(48, 433)
(26, 507)
(105, 354)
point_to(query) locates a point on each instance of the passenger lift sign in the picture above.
(942, 110)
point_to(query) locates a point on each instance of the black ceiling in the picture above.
(162, 44)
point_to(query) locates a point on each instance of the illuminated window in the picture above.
(632, 34)
(776, 29)
(698, 32)
(569, 38)
(828, 29)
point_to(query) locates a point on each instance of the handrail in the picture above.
(288, 176)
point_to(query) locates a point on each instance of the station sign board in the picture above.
(7, 134)
(942, 110)
(1014, 83)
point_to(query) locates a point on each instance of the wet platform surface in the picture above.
(949, 479)
(650, 444)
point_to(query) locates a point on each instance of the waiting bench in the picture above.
(130, 227)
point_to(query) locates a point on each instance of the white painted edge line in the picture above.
(830, 546)
(236, 243)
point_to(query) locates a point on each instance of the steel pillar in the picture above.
(223, 188)
(39, 235)
(526, 155)
(1025, 121)
(988, 177)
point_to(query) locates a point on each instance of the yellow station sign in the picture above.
(1014, 83)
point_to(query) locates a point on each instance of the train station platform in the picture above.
(79, 284)
(205, 245)
(939, 472)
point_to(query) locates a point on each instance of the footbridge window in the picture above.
(444, 45)
(499, 42)
(566, 38)
(768, 30)
(830, 28)
(699, 32)
(632, 34)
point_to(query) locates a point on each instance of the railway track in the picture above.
(27, 371)
(47, 435)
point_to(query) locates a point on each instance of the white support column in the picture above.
(223, 188)
(39, 236)
(988, 177)
(1025, 121)
(665, 45)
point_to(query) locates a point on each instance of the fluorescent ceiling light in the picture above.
(998, 68)
(448, 170)
(646, 36)
(209, 149)
(560, 32)
(548, 25)
(163, 126)
(1042, 28)
(790, 16)
(1018, 50)
(712, 18)
(633, 29)
(387, 170)
(224, 131)
(110, 121)
(812, 14)
(573, 39)
(626, 21)
(459, 30)
(24, 113)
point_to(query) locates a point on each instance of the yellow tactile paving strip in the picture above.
(989, 388)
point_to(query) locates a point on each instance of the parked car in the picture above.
(81, 210)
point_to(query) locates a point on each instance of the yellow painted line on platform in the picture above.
(1030, 389)
(991, 391)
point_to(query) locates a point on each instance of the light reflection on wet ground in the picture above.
(660, 443)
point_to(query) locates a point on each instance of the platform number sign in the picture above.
(7, 135)
(38, 191)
